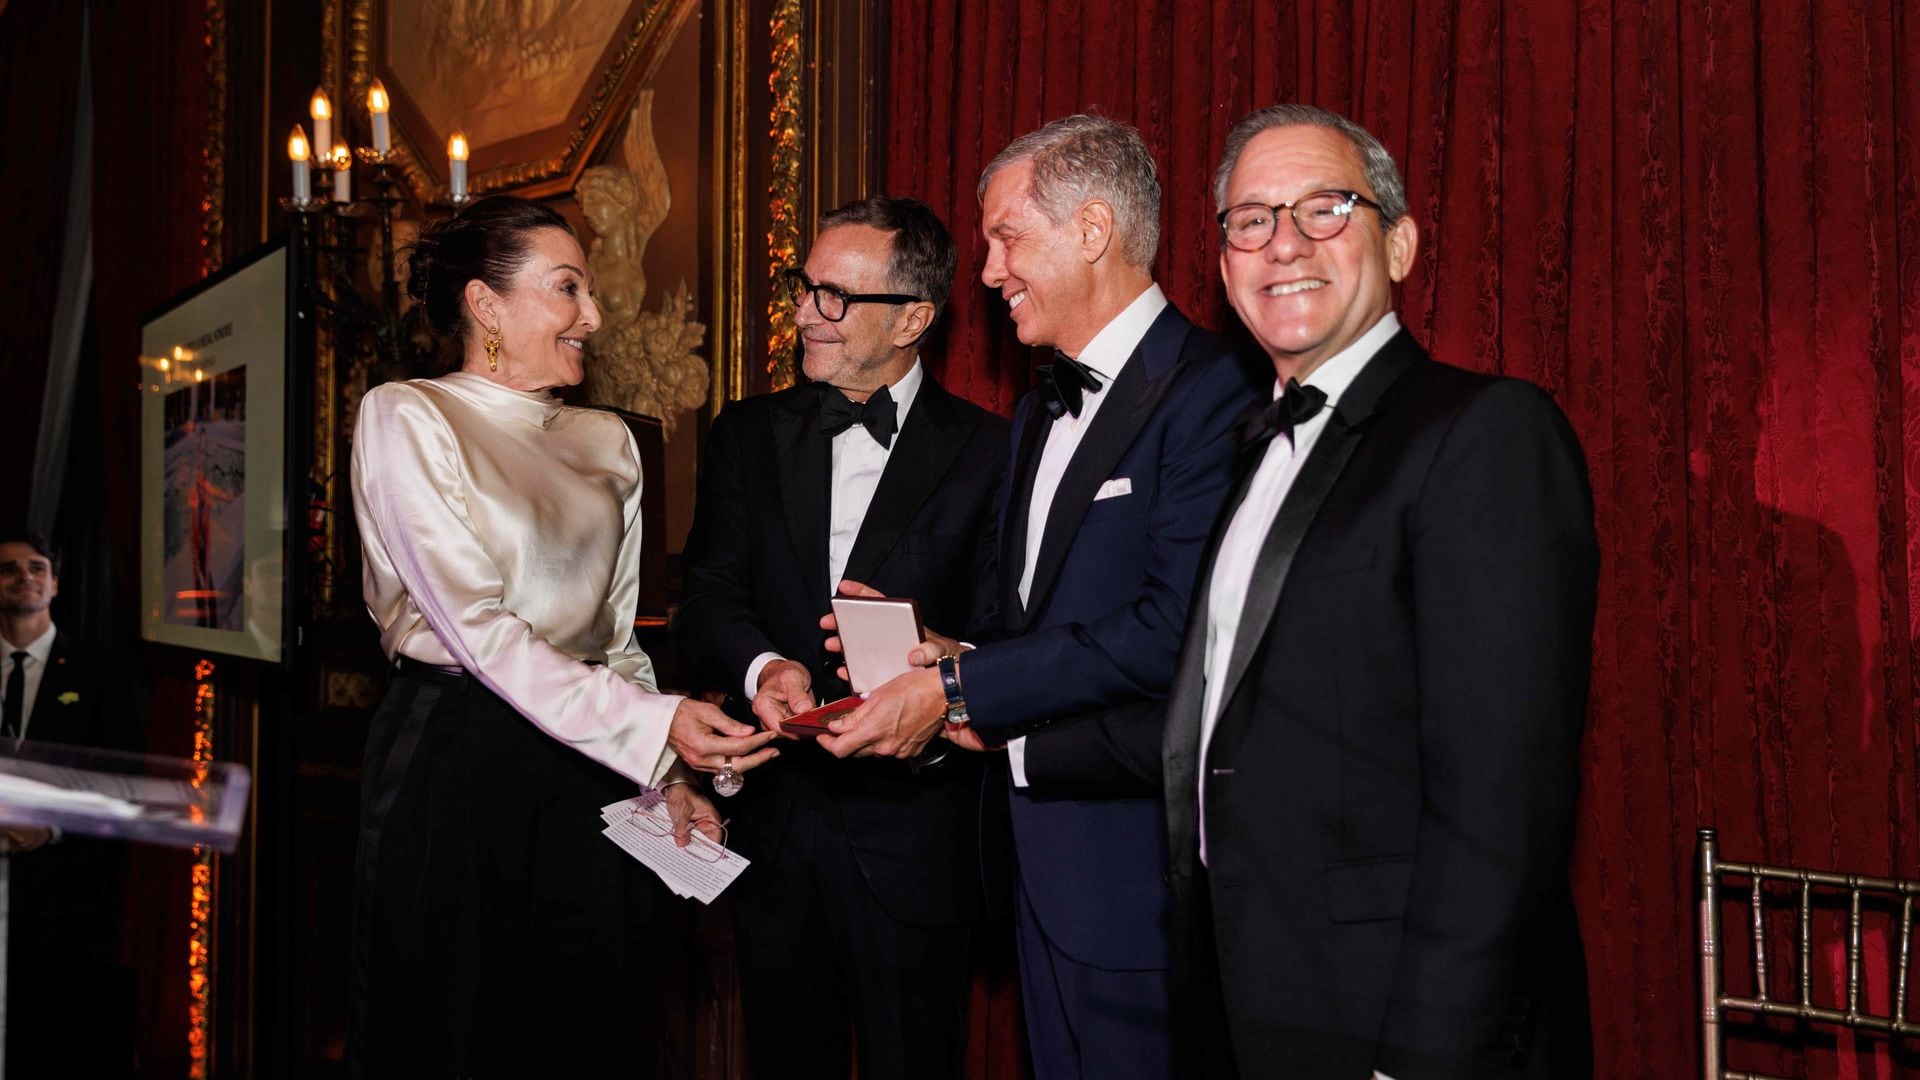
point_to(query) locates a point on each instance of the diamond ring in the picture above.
(727, 782)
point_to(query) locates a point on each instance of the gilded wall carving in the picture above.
(645, 361)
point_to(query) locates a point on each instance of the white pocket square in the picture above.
(1114, 488)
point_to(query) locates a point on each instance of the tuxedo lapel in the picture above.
(1013, 528)
(1180, 746)
(803, 458)
(1322, 470)
(1130, 401)
(929, 440)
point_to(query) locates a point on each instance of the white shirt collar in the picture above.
(904, 391)
(39, 648)
(1107, 353)
(1338, 372)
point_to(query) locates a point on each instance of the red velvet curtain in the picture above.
(1697, 223)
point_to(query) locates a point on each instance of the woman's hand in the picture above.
(693, 810)
(707, 739)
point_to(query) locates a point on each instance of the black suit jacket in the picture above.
(66, 895)
(81, 703)
(1391, 783)
(71, 1002)
(756, 581)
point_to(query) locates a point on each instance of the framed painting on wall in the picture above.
(213, 463)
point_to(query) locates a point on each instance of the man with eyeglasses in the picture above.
(1371, 750)
(855, 914)
(1124, 455)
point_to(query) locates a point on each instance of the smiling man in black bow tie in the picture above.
(1371, 747)
(856, 912)
(1124, 452)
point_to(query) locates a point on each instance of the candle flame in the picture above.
(457, 146)
(377, 97)
(342, 157)
(297, 144)
(322, 106)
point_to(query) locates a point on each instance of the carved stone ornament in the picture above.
(643, 361)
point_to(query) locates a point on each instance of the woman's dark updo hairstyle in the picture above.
(489, 241)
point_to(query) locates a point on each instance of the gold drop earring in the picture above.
(493, 349)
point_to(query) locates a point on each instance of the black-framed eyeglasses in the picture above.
(1319, 216)
(832, 302)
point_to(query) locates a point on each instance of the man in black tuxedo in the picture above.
(69, 1000)
(864, 881)
(1371, 750)
(1124, 455)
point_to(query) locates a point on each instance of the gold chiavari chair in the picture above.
(1715, 999)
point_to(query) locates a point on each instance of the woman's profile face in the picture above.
(546, 315)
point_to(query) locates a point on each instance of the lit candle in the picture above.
(322, 108)
(297, 153)
(457, 164)
(342, 173)
(378, 104)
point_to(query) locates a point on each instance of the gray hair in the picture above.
(1376, 165)
(1081, 157)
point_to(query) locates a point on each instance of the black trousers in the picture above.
(820, 960)
(496, 932)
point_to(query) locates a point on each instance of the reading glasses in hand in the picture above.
(1319, 216)
(832, 302)
(653, 823)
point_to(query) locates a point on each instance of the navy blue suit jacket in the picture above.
(1102, 626)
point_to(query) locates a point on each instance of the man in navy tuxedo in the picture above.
(1122, 456)
(1371, 749)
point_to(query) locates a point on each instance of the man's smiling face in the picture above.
(1306, 300)
(27, 582)
(1034, 263)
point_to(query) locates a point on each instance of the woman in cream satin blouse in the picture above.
(496, 931)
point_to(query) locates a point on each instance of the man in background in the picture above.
(69, 1000)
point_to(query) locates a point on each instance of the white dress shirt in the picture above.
(501, 531)
(1107, 354)
(858, 461)
(1233, 564)
(33, 668)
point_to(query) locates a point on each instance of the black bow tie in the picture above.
(1295, 406)
(1065, 383)
(876, 414)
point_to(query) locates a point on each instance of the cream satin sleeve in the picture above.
(412, 512)
(624, 656)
